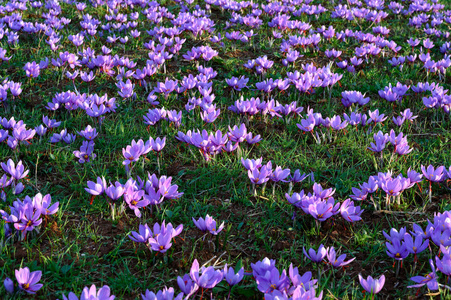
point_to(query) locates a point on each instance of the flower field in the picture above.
(221, 149)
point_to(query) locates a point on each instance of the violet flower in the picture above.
(27, 281)
(372, 286)
(206, 278)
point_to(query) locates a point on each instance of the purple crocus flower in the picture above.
(15, 88)
(321, 210)
(135, 201)
(96, 188)
(231, 277)
(251, 164)
(349, 212)
(261, 267)
(297, 176)
(395, 234)
(316, 257)
(397, 250)
(168, 190)
(237, 83)
(125, 89)
(303, 281)
(441, 238)
(186, 285)
(132, 152)
(372, 286)
(337, 262)
(157, 144)
(398, 121)
(40, 130)
(237, 134)
(416, 245)
(392, 187)
(430, 279)
(307, 125)
(408, 115)
(209, 224)
(16, 172)
(259, 176)
(380, 140)
(27, 281)
(42, 203)
(273, 280)
(376, 117)
(350, 97)
(9, 285)
(278, 295)
(432, 174)
(161, 243)
(85, 154)
(115, 191)
(87, 77)
(29, 219)
(143, 235)
(279, 174)
(447, 172)
(89, 133)
(444, 265)
(32, 69)
(206, 278)
(49, 122)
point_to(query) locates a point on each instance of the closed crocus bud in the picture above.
(9, 285)
(18, 188)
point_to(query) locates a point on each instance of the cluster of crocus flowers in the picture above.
(270, 281)
(394, 93)
(15, 88)
(260, 174)
(353, 97)
(211, 144)
(95, 106)
(15, 133)
(313, 77)
(322, 206)
(405, 115)
(155, 115)
(294, 37)
(133, 152)
(157, 239)
(137, 194)
(394, 186)
(401, 146)
(327, 253)
(313, 120)
(17, 173)
(63, 136)
(25, 215)
(401, 243)
(275, 284)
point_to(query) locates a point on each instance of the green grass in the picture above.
(82, 245)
